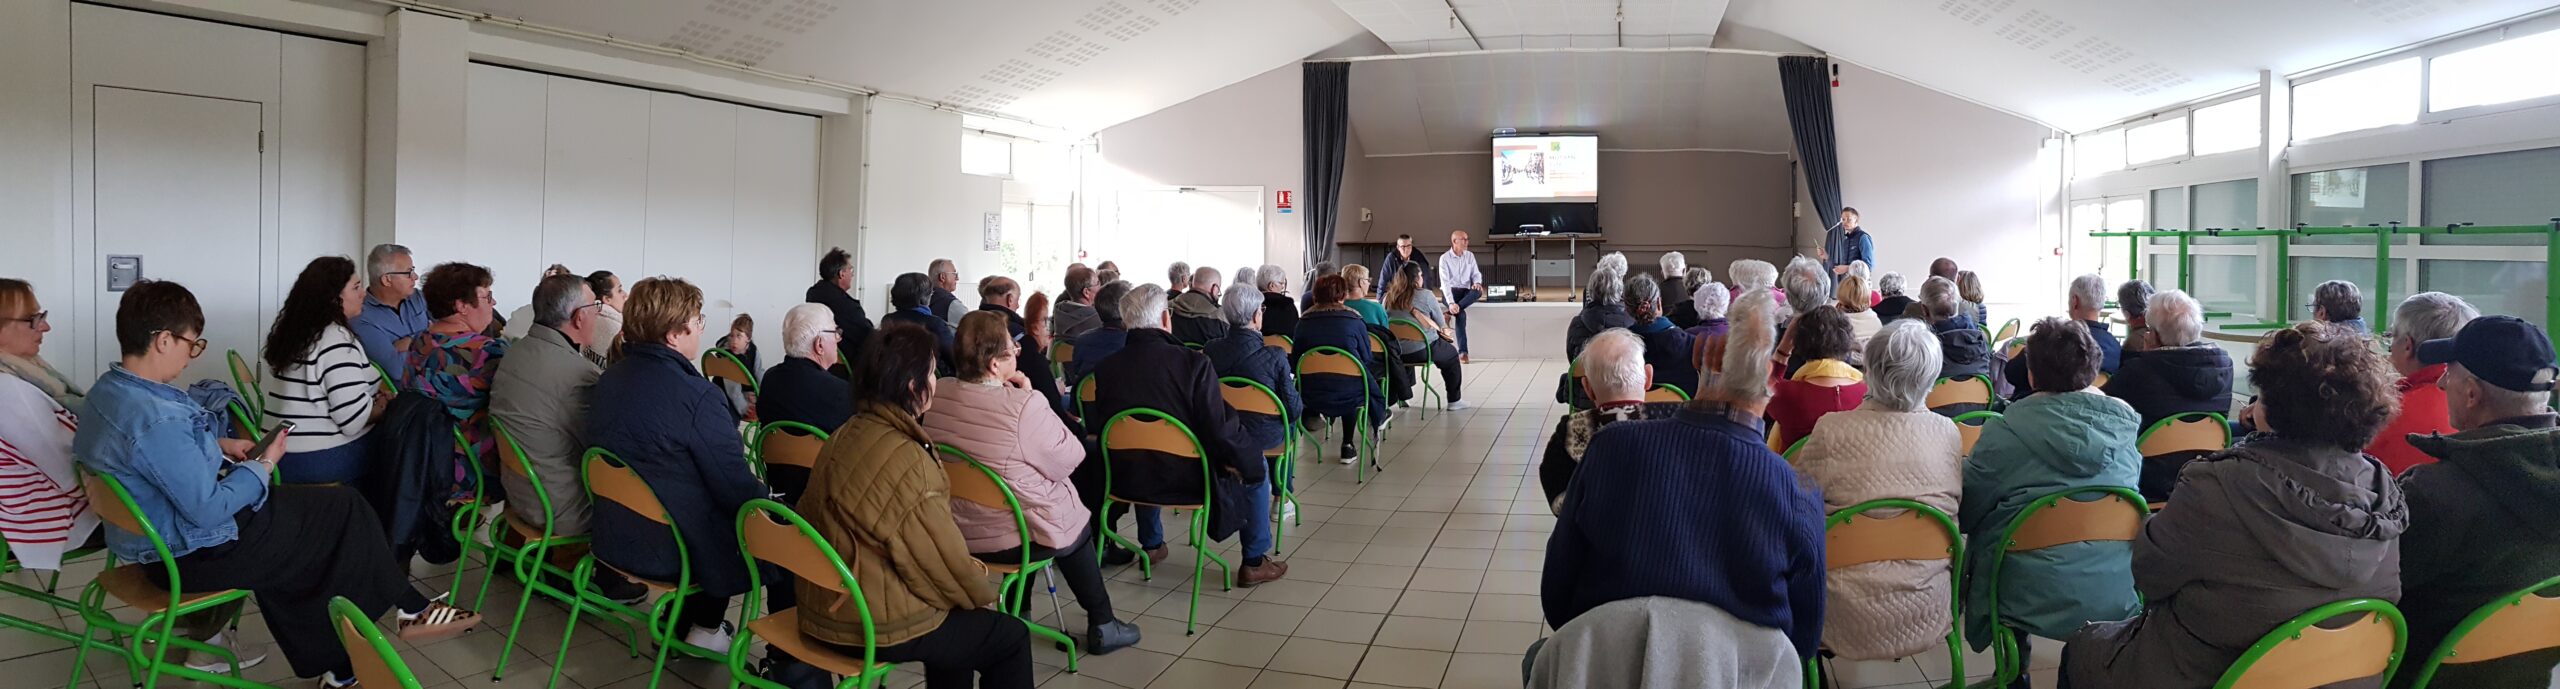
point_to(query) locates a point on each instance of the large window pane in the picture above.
(2380, 95)
(2097, 153)
(2514, 188)
(981, 154)
(2155, 141)
(2226, 283)
(2227, 127)
(2125, 213)
(2353, 196)
(2510, 70)
(2168, 211)
(2310, 271)
(2226, 205)
(2514, 288)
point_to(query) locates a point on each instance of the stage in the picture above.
(1519, 330)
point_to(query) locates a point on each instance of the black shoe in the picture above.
(793, 674)
(1115, 556)
(1105, 638)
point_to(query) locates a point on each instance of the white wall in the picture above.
(1247, 134)
(919, 205)
(1932, 175)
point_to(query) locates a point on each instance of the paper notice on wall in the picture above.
(2336, 188)
(992, 226)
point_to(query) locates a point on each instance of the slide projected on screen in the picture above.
(1551, 169)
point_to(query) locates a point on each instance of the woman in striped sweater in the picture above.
(319, 377)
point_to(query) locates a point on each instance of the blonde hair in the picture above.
(658, 307)
(1352, 277)
(1853, 293)
(983, 337)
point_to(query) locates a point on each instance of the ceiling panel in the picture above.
(1431, 26)
(1634, 100)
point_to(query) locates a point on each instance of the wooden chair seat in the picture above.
(782, 631)
(1168, 506)
(131, 584)
(653, 584)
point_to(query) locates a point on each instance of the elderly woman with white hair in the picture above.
(1892, 297)
(1675, 278)
(1603, 307)
(2181, 372)
(1890, 446)
(2424, 409)
(1711, 300)
(1279, 310)
(1242, 354)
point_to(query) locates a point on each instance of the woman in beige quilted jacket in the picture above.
(1890, 446)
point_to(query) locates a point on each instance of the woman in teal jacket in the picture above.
(2066, 435)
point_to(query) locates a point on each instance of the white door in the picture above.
(1221, 228)
(179, 184)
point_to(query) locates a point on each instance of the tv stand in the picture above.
(1569, 267)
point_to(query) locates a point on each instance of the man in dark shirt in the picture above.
(834, 289)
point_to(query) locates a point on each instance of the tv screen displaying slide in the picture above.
(1546, 169)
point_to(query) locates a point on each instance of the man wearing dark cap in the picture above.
(2484, 520)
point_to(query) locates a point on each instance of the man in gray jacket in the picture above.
(1073, 314)
(541, 396)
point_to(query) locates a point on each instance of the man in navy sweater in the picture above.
(1695, 507)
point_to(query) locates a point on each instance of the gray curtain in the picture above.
(1328, 132)
(1807, 83)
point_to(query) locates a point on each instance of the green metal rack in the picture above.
(2382, 235)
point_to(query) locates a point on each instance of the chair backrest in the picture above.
(247, 380)
(1084, 390)
(2519, 622)
(2014, 346)
(790, 443)
(1142, 428)
(769, 531)
(114, 505)
(976, 484)
(1281, 341)
(1251, 397)
(1920, 532)
(1331, 361)
(2188, 432)
(377, 663)
(2007, 330)
(1954, 391)
(1405, 330)
(2301, 654)
(2057, 518)
(512, 461)
(1377, 345)
(1969, 433)
(244, 423)
(1062, 352)
(614, 482)
(2101, 380)
(719, 363)
(1666, 392)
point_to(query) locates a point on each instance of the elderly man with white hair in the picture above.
(1195, 311)
(2088, 294)
(1695, 507)
(2421, 317)
(1896, 300)
(2182, 372)
(1615, 376)
(1890, 446)
(1675, 278)
(800, 390)
(1750, 274)
(1806, 286)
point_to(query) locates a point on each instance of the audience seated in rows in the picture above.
(801, 390)
(541, 395)
(1409, 299)
(1603, 307)
(1279, 311)
(990, 412)
(292, 547)
(1243, 354)
(2087, 292)
(2422, 317)
(911, 303)
(1099, 344)
(2177, 371)
(1615, 375)
(1890, 446)
(880, 497)
(1825, 383)
(1073, 314)
(658, 414)
(2339, 302)
(2133, 301)
(1156, 372)
(1330, 323)
(2480, 519)
(2063, 435)
(1858, 304)
(607, 345)
(1965, 348)
(1892, 301)
(456, 360)
(2291, 518)
(944, 302)
(1695, 507)
(394, 309)
(1668, 350)
(834, 290)
(1195, 310)
(318, 378)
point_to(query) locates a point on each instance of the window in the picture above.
(2513, 288)
(2512, 188)
(2125, 213)
(2228, 205)
(2156, 141)
(986, 154)
(2226, 127)
(2098, 153)
(2376, 96)
(2353, 196)
(2510, 70)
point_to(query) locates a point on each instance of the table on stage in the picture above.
(1518, 330)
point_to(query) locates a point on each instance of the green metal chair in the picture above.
(1284, 342)
(2114, 514)
(976, 484)
(1334, 361)
(1952, 396)
(769, 531)
(719, 364)
(1061, 354)
(387, 382)
(9, 564)
(245, 382)
(2171, 442)
(1919, 532)
(377, 663)
(1792, 449)
(1409, 331)
(1147, 429)
(789, 443)
(1968, 433)
(2300, 654)
(608, 479)
(530, 560)
(2519, 622)
(146, 643)
(1666, 392)
(1250, 397)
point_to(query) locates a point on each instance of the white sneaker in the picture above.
(1460, 405)
(250, 656)
(711, 638)
(1284, 512)
(329, 680)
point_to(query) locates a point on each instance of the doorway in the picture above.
(179, 184)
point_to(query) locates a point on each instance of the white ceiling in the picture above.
(1634, 100)
(2080, 64)
(1430, 26)
(1079, 65)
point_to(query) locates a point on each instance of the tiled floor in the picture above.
(1425, 576)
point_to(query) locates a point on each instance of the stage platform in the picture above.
(1519, 330)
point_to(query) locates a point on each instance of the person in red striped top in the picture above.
(42, 512)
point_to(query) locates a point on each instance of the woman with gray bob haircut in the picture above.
(2338, 302)
(2181, 372)
(1890, 446)
(1807, 285)
(1603, 307)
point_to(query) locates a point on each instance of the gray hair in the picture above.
(2339, 299)
(557, 297)
(1747, 345)
(2088, 291)
(1939, 294)
(1643, 289)
(1807, 284)
(2498, 402)
(939, 266)
(1143, 309)
(1269, 276)
(1890, 283)
(1246, 275)
(1902, 364)
(1674, 265)
(801, 326)
(1612, 262)
(2134, 296)
(1242, 304)
(1752, 273)
(1205, 280)
(1860, 269)
(1177, 274)
(1606, 286)
(2431, 316)
(2176, 318)
(1710, 299)
(1613, 364)
(377, 262)
(1698, 275)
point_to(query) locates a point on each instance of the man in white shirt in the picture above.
(1462, 283)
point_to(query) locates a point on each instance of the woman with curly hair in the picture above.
(319, 378)
(2293, 517)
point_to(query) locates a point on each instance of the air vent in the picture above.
(1175, 8)
(2091, 55)
(750, 50)
(741, 10)
(2035, 29)
(1102, 18)
(697, 37)
(2146, 79)
(798, 16)
(1975, 12)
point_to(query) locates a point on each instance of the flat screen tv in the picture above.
(1546, 184)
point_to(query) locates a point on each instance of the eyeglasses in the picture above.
(588, 305)
(34, 321)
(411, 274)
(195, 345)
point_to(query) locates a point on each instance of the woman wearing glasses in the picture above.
(800, 389)
(456, 361)
(319, 378)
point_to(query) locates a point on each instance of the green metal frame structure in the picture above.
(1955, 575)
(1368, 436)
(1285, 471)
(664, 625)
(2382, 236)
(147, 643)
(755, 440)
(529, 562)
(1199, 517)
(1018, 581)
(2447, 651)
(1429, 392)
(740, 671)
(2004, 647)
(2292, 629)
(352, 620)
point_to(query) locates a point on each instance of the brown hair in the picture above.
(894, 367)
(16, 295)
(1822, 333)
(1352, 276)
(2321, 383)
(1329, 290)
(995, 286)
(453, 282)
(1943, 268)
(1035, 315)
(1853, 294)
(983, 337)
(2061, 357)
(659, 306)
(153, 307)
(743, 322)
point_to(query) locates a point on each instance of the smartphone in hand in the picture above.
(273, 436)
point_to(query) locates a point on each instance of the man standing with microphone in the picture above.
(1846, 242)
(1462, 283)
